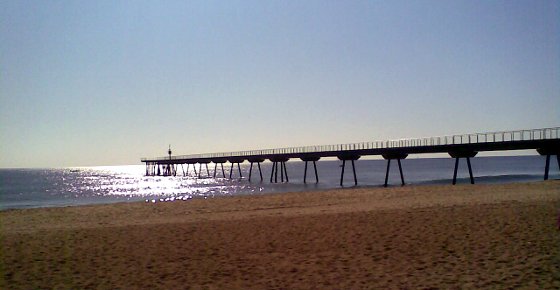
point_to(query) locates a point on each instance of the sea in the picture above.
(58, 187)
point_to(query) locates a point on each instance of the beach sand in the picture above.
(464, 236)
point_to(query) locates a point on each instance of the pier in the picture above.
(546, 141)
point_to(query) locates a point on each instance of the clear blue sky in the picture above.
(107, 82)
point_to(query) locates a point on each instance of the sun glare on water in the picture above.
(130, 182)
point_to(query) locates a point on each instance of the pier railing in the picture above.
(474, 138)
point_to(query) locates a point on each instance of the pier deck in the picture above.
(545, 140)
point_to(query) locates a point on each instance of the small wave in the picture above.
(498, 178)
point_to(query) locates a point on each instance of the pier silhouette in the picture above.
(546, 141)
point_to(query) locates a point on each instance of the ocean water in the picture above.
(25, 188)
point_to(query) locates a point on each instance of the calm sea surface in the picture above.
(24, 188)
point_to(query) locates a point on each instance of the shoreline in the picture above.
(489, 235)
(418, 189)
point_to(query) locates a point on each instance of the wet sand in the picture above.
(464, 236)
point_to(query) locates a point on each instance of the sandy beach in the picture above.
(464, 236)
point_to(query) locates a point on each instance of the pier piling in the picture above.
(283, 169)
(308, 159)
(258, 161)
(462, 154)
(548, 152)
(390, 156)
(348, 157)
(260, 171)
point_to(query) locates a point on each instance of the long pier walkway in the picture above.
(545, 140)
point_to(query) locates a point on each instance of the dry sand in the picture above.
(465, 236)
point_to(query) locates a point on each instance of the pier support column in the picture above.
(272, 171)
(200, 167)
(250, 171)
(462, 154)
(216, 169)
(342, 173)
(238, 168)
(150, 169)
(258, 161)
(167, 170)
(390, 156)
(348, 157)
(283, 169)
(309, 159)
(285, 172)
(233, 161)
(316, 174)
(220, 161)
(260, 171)
(548, 152)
